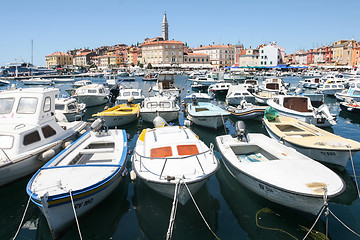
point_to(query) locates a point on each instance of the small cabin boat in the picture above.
(119, 115)
(237, 93)
(135, 94)
(165, 85)
(70, 108)
(163, 106)
(92, 95)
(300, 107)
(30, 133)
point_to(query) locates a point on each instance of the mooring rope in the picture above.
(23, 217)
(357, 234)
(318, 217)
(202, 216)
(222, 117)
(352, 164)
(76, 219)
(173, 212)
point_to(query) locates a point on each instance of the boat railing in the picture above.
(210, 150)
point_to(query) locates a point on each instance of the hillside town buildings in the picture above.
(160, 52)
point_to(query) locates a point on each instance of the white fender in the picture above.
(47, 155)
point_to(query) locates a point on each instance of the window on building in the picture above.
(270, 62)
(262, 51)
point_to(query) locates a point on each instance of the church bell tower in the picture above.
(165, 28)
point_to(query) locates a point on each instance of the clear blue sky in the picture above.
(62, 25)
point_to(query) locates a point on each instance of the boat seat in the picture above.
(96, 150)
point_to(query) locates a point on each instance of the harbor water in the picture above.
(134, 211)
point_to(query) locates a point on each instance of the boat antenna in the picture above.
(32, 52)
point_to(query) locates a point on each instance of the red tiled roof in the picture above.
(58, 54)
(163, 42)
(197, 54)
(214, 46)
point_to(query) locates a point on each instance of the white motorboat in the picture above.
(92, 95)
(330, 88)
(135, 94)
(300, 107)
(219, 88)
(353, 92)
(69, 108)
(277, 172)
(199, 96)
(206, 114)
(165, 85)
(63, 80)
(237, 93)
(247, 110)
(166, 158)
(205, 80)
(30, 135)
(163, 106)
(37, 81)
(81, 83)
(273, 84)
(312, 141)
(261, 97)
(4, 82)
(80, 177)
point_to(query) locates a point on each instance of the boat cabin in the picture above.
(166, 81)
(296, 103)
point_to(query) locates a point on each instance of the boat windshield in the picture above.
(6, 105)
(27, 105)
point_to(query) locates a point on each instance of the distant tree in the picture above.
(149, 66)
(141, 65)
(132, 64)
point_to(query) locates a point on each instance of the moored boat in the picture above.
(92, 95)
(119, 115)
(80, 177)
(206, 114)
(247, 110)
(29, 131)
(163, 106)
(166, 158)
(69, 108)
(312, 141)
(277, 172)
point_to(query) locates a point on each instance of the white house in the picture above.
(271, 55)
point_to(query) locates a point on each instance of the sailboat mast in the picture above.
(32, 52)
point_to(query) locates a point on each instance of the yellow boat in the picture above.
(119, 115)
(312, 141)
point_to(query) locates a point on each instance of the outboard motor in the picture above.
(324, 112)
(241, 131)
(97, 125)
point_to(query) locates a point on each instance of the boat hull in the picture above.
(308, 204)
(330, 157)
(24, 167)
(112, 121)
(59, 217)
(168, 189)
(166, 115)
(209, 121)
(91, 100)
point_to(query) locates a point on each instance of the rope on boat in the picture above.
(173, 212)
(352, 164)
(23, 217)
(202, 216)
(76, 219)
(222, 118)
(326, 205)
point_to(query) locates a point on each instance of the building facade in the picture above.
(58, 59)
(162, 52)
(271, 55)
(342, 51)
(220, 55)
(250, 58)
(83, 58)
(196, 58)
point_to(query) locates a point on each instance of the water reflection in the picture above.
(153, 213)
